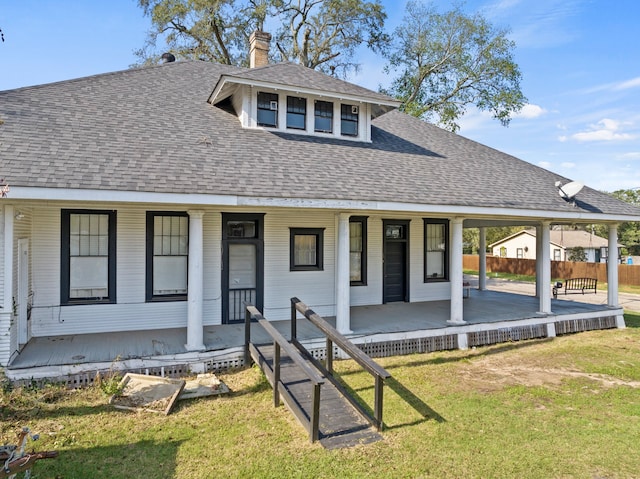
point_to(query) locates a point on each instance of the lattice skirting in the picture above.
(503, 335)
(579, 325)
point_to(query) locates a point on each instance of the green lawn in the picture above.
(567, 407)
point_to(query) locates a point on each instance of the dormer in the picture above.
(291, 98)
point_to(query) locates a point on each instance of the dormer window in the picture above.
(349, 120)
(323, 116)
(268, 109)
(296, 113)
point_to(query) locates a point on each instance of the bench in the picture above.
(575, 286)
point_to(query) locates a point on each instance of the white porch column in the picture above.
(538, 262)
(7, 299)
(482, 260)
(455, 272)
(612, 267)
(543, 262)
(195, 333)
(343, 283)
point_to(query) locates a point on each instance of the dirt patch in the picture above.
(490, 375)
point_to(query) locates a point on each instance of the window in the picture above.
(519, 253)
(436, 256)
(267, 109)
(349, 120)
(556, 255)
(167, 255)
(503, 251)
(358, 250)
(324, 116)
(88, 257)
(306, 246)
(296, 113)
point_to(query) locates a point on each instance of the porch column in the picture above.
(612, 267)
(343, 283)
(455, 271)
(538, 256)
(543, 267)
(7, 299)
(195, 333)
(482, 260)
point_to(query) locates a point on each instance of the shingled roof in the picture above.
(152, 130)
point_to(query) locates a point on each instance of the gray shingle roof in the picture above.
(295, 75)
(152, 130)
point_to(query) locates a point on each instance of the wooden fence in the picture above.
(627, 274)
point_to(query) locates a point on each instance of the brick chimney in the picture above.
(259, 49)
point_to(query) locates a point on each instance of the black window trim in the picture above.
(351, 118)
(65, 258)
(322, 114)
(319, 233)
(291, 110)
(363, 259)
(439, 221)
(277, 99)
(149, 247)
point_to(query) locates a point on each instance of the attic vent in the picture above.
(273, 105)
(354, 109)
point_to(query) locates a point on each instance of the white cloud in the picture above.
(632, 155)
(605, 130)
(544, 164)
(530, 111)
(568, 164)
(625, 85)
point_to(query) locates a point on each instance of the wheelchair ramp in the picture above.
(340, 424)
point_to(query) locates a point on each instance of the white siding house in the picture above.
(523, 245)
(165, 196)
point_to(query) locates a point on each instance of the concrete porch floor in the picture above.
(503, 302)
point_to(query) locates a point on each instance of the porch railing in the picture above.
(311, 423)
(334, 337)
(238, 298)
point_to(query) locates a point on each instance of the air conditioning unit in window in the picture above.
(354, 109)
(273, 105)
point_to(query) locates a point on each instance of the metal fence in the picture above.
(627, 274)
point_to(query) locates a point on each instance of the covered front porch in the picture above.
(499, 313)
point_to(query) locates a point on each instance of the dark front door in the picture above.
(395, 261)
(242, 264)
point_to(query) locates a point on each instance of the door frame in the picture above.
(258, 241)
(404, 240)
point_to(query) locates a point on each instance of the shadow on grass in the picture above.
(149, 459)
(414, 401)
(632, 319)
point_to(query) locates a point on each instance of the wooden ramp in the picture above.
(340, 424)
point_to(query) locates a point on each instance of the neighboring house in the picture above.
(165, 196)
(523, 245)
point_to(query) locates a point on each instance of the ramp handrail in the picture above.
(335, 337)
(280, 342)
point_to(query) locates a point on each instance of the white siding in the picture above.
(315, 288)
(132, 312)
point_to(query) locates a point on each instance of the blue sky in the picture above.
(580, 61)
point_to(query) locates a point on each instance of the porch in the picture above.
(504, 312)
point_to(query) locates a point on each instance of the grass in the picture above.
(567, 407)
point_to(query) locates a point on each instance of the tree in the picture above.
(576, 254)
(324, 34)
(320, 34)
(448, 61)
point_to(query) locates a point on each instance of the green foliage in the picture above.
(109, 383)
(577, 254)
(629, 232)
(448, 61)
(318, 34)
